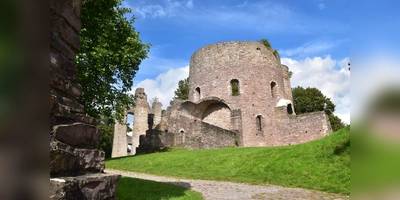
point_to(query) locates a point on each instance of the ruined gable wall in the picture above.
(156, 111)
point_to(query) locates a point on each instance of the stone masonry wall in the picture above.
(216, 137)
(303, 128)
(76, 165)
(156, 111)
(262, 79)
(206, 136)
(120, 140)
(218, 115)
(140, 123)
(155, 141)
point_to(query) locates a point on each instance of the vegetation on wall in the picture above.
(307, 100)
(235, 89)
(265, 42)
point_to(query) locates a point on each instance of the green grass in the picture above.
(322, 164)
(133, 188)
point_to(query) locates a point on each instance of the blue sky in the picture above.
(312, 37)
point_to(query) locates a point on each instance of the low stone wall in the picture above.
(216, 137)
(304, 128)
(155, 141)
(205, 136)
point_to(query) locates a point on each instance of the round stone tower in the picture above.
(249, 77)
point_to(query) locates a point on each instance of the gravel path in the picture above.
(217, 190)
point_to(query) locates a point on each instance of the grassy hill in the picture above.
(322, 164)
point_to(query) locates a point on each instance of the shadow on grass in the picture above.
(344, 147)
(133, 188)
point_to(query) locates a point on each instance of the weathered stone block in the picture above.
(62, 114)
(62, 67)
(67, 160)
(59, 25)
(69, 88)
(78, 135)
(90, 186)
(58, 44)
(66, 10)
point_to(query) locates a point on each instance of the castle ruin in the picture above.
(239, 95)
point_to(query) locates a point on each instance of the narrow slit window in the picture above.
(289, 109)
(259, 122)
(235, 87)
(273, 89)
(198, 91)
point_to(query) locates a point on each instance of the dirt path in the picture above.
(216, 190)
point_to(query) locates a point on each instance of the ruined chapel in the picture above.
(239, 95)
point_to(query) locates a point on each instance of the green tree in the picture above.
(106, 127)
(111, 52)
(182, 92)
(312, 100)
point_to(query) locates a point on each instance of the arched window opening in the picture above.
(198, 92)
(289, 109)
(259, 122)
(273, 89)
(235, 87)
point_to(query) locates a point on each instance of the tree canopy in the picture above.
(111, 52)
(182, 92)
(312, 100)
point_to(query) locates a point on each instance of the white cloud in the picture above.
(321, 6)
(309, 48)
(330, 76)
(151, 11)
(189, 4)
(167, 9)
(164, 85)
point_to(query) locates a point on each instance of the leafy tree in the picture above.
(182, 92)
(312, 100)
(106, 127)
(111, 52)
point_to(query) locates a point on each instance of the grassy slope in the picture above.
(322, 164)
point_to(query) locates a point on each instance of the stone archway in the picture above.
(218, 114)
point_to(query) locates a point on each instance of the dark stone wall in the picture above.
(76, 165)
